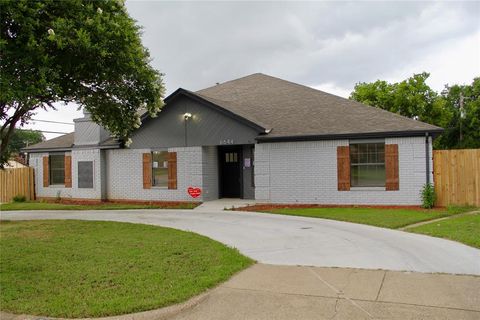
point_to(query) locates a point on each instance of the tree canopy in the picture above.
(23, 138)
(415, 99)
(87, 52)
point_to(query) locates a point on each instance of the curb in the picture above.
(156, 314)
(418, 224)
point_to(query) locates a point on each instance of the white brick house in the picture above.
(256, 137)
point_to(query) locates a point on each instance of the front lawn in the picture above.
(93, 269)
(465, 229)
(387, 218)
(35, 205)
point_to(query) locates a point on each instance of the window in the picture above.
(367, 164)
(160, 168)
(231, 157)
(57, 168)
(85, 174)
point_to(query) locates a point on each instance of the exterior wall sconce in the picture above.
(187, 116)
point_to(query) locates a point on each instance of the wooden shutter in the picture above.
(172, 170)
(343, 168)
(147, 170)
(46, 172)
(68, 171)
(391, 167)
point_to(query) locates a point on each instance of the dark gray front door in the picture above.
(230, 160)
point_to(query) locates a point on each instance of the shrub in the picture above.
(19, 198)
(428, 196)
(58, 198)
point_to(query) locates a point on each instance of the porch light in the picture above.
(187, 116)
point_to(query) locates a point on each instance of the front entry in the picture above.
(230, 161)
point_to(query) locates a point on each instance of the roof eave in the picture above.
(181, 91)
(58, 149)
(387, 134)
(46, 149)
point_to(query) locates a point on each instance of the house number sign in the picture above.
(226, 141)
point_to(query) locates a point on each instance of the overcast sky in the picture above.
(325, 45)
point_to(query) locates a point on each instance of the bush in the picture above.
(19, 198)
(428, 196)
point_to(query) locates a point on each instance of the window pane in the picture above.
(354, 156)
(363, 155)
(160, 168)
(354, 177)
(367, 165)
(57, 169)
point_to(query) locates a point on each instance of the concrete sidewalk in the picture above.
(289, 292)
(266, 292)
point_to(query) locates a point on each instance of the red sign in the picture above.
(194, 192)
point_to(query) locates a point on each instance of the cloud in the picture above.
(198, 44)
(326, 45)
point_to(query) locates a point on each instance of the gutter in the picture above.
(37, 150)
(386, 134)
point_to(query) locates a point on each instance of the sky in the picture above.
(329, 46)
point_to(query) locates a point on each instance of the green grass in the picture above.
(102, 206)
(93, 269)
(465, 229)
(387, 218)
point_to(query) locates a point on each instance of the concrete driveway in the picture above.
(288, 240)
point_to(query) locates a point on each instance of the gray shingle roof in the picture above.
(291, 109)
(62, 142)
(65, 142)
(286, 109)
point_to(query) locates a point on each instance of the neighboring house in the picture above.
(14, 164)
(257, 137)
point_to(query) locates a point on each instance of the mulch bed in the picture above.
(87, 202)
(268, 207)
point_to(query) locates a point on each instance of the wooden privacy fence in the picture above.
(14, 182)
(457, 177)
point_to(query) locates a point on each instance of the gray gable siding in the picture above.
(88, 132)
(207, 127)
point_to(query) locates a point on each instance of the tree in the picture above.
(413, 98)
(23, 138)
(463, 127)
(86, 52)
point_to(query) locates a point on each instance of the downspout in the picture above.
(427, 158)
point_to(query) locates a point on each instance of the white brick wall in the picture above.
(53, 191)
(36, 161)
(118, 174)
(125, 175)
(94, 155)
(306, 172)
(286, 172)
(210, 173)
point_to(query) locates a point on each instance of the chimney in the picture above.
(88, 132)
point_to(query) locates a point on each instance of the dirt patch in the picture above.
(11, 229)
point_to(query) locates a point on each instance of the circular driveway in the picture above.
(289, 240)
